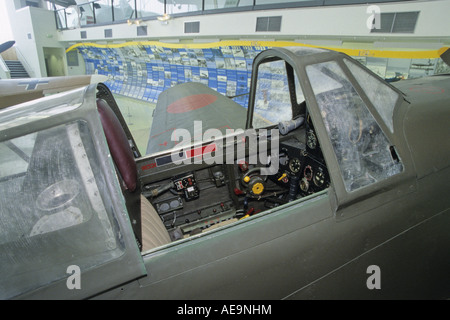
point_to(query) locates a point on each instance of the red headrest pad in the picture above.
(118, 145)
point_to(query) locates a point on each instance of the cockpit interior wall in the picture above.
(143, 70)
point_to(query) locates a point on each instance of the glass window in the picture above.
(272, 99)
(381, 95)
(54, 209)
(223, 4)
(103, 11)
(177, 6)
(72, 16)
(362, 149)
(298, 90)
(86, 14)
(377, 66)
(61, 19)
(265, 2)
(149, 8)
(123, 10)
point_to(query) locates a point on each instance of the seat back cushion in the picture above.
(154, 233)
(118, 145)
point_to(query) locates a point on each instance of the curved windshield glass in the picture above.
(361, 147)
(380, 94)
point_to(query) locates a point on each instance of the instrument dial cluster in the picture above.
(315, 177)
(300, 163)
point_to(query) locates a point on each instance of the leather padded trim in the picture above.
(154, 233)
(118, 145)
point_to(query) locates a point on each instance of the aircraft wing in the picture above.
(182, 105)
(15, 91)
(6, 45)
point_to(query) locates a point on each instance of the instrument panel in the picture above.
(300, 169)
(188, 186)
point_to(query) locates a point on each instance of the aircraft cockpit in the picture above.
(200, 198)
(192, 197)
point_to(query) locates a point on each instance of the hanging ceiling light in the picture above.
(165, 17)
(136, 22)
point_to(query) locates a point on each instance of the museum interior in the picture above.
(350, 95)
(144, 47)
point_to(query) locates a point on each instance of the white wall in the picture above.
(6, 33)
(33, 29)
(25, 41)
(343, 23)
(45, 36)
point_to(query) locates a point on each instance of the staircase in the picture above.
(16, 69)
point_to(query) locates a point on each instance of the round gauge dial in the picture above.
(308, 173)
(295, 165)
(304, 185)
(311, 140)
(319, 178)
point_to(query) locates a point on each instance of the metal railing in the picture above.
(4, 70)
(21, 57)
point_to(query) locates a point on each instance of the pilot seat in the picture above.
(147, 225)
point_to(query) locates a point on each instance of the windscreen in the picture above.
(362, 149)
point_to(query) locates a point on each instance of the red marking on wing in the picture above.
(190, 103)
(155, 135)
